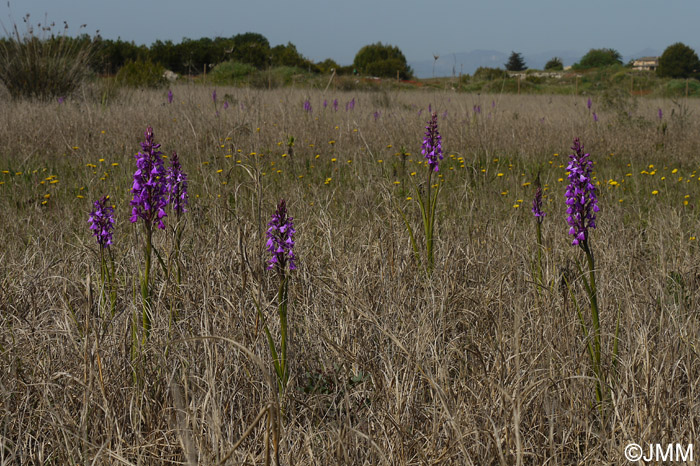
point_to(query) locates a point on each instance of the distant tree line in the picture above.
(193, 56)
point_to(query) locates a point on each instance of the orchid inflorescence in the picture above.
(280, 240)
(102, 221)
(581, 196)
(432, 144)
(149, 188)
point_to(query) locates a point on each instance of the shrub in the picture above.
(489, 74)
(596, 58)
(141, 74)
(43, 67)
(382, 61)
(678, 61)
(554, 64)
(230, 71)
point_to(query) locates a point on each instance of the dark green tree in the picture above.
(515, 62)
(287, 55)
(598, 58)
(251, 48)
(555, 64)
(327, 65)
(383, 61)
(679, 61)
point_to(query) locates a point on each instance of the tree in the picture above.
(515, 62)
(678, 61)
(597, 58)
(382, 60)
(555, 64)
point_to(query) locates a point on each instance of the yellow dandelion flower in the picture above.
(692, 238)
(674, 171)
(219, 170)
(80, 196)
(331, 142)
(655, 192)
(47, 195)
(284, 155)
(115, 164)
(413, 173)
(380, 161)
(685, 202)
(515, 206)
(527, 183)
(228, 156)
(500, 174)
(397, 182)
(560, 180)
(504, 193)
(409, 198)
(333, 160)
(389, 146)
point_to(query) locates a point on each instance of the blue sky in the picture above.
(338, 29)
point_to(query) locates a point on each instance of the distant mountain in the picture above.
(467, 62)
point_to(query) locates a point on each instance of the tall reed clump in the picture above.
(150, 199)
(280, 243)
(431, 149)
(46, 65)
(582, 206)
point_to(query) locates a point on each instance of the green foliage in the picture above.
(43, 67)
(554, 64)
(597, 58)
(287, 55)
(111, 55)
(515, 62)
(327, 65)
(489, 74)
(383, 61)
(229, 71)
(141, 74)
(251, 48)
(679, 61)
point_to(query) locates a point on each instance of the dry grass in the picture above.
(471, 367)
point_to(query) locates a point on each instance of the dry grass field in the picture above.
(475, 364)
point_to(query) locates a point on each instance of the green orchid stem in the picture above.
(595, 321)
(145, 289)
(283, 375)
(539, 253)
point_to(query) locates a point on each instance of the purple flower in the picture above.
(325, 103)
(477, 109)
(350, 105)
(213, 96)
(432, 144)
(225, 104)
(149, 190)
(661, 114)
(376, 115)
(444, 114)
(61, 100)
(537, 205)
(595, 117)
(307, 106)
(170, 96)
(335, 104)
(280, 240)
(176, 185)
(102, 221)
(580, 195)
(589, 103)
